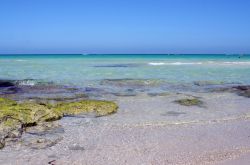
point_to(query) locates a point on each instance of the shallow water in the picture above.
(87, 70)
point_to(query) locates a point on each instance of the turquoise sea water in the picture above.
(85, 70)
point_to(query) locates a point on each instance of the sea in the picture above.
(88, 70)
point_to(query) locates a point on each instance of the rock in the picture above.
(101, 108)
(14, 117)
(7, 102)
(132, 82)
(43, 129)
(14, 134)
(2, 144)
(189, 102)
(173, 113)
(242, 87)
(6, 83)
(76, 147)
(42, 143)
(159, 94)
(125, 93)
(59, 98)
(242, 90)
(205, 83)
(29, 114)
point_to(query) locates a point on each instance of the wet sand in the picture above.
(148, 130)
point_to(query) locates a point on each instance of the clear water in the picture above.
(83, 70)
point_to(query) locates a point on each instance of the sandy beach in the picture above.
(146, 130)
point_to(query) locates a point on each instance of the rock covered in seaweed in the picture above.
(14, 117)
(189, 102)
(100, 108)
(28, 113)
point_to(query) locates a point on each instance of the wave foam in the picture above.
(27, 82)
(156, 63)
(20, 60)
(175, 63)
(241, 63)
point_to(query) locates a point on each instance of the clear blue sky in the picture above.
(124, 26)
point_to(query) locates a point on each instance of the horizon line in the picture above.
(124, 53)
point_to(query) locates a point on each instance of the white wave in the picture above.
(186, 63)
(241, 62)
(21, 60)
(27, 82)
(175, 63)
(156, 63)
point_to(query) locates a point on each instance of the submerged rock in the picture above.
(42, 143)
(206, 83)
(132, 82)
(173, 113)
(6, 83)
(76, 147)
(189, 102)
(243, 90)
(159, 94)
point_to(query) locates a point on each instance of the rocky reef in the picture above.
(243, 90)
(16, 117)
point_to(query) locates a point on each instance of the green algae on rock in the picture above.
(6, 102)
(189, 102)
(159, 94)
(101, 108)
(29, 113)
(17, 116)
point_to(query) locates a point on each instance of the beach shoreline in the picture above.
(146, 129)
(145, 110)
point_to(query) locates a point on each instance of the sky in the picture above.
(124, 26)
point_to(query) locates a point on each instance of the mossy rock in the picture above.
(29, 113)
(40, 112)
(6, 102)
(16, 116)
(101, 108)
(189, 102)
